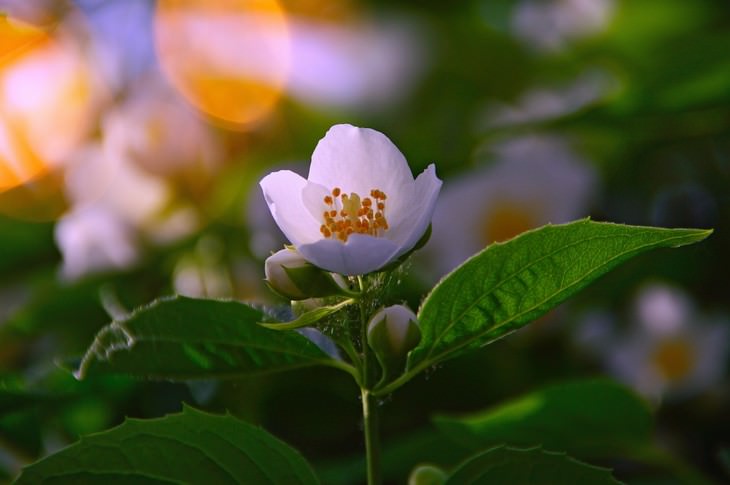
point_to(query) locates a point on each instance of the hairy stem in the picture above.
(369, 402)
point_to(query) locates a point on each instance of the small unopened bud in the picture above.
(392, 333)
(293, 277)
(427, 475)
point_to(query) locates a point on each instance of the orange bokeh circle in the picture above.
(47, 98)
(228, 58)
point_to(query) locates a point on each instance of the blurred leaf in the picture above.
(185, 338)
(190, 447)
(398, 457)
(11, 400)
(640, 29)
(25, 244)
(510, 284)
(22, 431)
(590, 418)
(527, 467)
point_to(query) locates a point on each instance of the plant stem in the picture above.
(372, 441)
(369, 402)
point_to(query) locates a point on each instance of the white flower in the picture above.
(550, 26)
(92, 238)
(115, 206)
(369, 64)
(264, 233)
(360, 207)
(550, 102)
(535, 180)
(672, 351)
(156, 131)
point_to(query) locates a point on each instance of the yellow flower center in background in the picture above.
(350, 214)
(674, 359)
(507, 220)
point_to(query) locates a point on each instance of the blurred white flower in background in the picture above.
(158, 132)
(546, 103)
(365, 64)
(93, 238)
(202, 273)
(534, 180)
(118, 194)
(670, 351)
(549, 25)
(246, 56)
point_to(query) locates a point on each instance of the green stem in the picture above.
(369, 403)
(352, 353)
(372, 439)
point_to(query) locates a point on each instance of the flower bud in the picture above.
(293, 277)
(392, 333)
(427, 475)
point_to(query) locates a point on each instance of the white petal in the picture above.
(313, 199)
(358, 160)
(414, 215)
(361, 254)
(283, 193)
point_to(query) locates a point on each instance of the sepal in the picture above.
(290, 275)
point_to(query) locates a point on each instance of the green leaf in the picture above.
(399, 455)
(590, 418)
(532, 466)
(185, 338)
(509, 284)
(190, 447)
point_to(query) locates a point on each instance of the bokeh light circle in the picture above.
(48, 100)
(228, 58)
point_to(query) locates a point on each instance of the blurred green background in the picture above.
(133, 134)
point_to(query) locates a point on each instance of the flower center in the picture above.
(349, 214)
(674, 359)
(506, 221)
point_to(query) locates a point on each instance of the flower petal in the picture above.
(313, 199)
(361, 254)
(413, 215)
(283, 193)
(358, 160)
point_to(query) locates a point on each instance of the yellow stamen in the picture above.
(349, 214)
